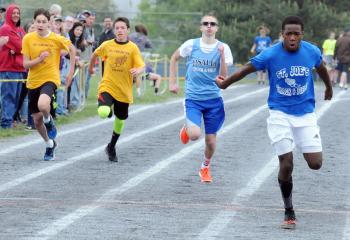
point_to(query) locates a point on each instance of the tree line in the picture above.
(172, 22)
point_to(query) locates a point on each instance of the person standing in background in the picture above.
(261, 42)
(11, 65)
(328, 47)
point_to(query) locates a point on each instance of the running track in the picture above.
(154, 191)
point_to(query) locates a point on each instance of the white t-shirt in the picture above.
(186, 48)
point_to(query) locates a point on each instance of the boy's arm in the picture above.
(323, 73)
(28, 63)
(223, 65)
(173, 87)
(72, 53)
(223, 82)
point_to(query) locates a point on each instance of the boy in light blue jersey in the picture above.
(206, 58)
(261, 42)
(291, 102)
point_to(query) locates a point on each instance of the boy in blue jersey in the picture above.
(261, 42)
(291, 102)
(206, 57)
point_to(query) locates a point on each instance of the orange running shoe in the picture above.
(183, 135)
(205, 175)
(289, 220)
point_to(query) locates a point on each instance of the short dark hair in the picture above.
(141, 29)
(42, 11)
(293, 20)
(122, 19)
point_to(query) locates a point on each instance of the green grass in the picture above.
(90, 107)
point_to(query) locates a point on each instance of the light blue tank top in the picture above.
(202, 69)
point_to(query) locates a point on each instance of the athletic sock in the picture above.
(49, 143)
(47, 120)
(156, 90)
(286, 190)
(205, 163)
(114, 138)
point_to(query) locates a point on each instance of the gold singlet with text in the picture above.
(119, 59)
(48, 70)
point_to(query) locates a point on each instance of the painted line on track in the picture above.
(16, 147)
(62, 223)
(219, 223)
(126, 139)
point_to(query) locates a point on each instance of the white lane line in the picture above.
(346, 233)
(219, 223)
(55, 166)
(62, 223)
(16, 147)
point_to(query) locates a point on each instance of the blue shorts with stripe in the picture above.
(211, 110)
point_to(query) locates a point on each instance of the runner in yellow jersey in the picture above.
(123, 61)
(41, 51)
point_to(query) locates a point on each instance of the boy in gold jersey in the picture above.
(123, 61)
(41, 51)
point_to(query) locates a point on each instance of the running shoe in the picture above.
(205, 175)
(110, 151)
(289, 220)
(51, 129)
(183, 135)
(50, 152)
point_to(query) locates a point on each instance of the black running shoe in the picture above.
(110, 151)
(51, 129)
(50, 152)
(289, 220)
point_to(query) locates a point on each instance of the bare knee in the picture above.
(286, 166)
(194, 133)
(314, 160)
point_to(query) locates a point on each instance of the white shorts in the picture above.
(286, 131)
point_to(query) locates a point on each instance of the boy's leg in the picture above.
(47, 94)
(34, 96)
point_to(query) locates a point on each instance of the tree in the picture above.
(102, 8)
(239, 20)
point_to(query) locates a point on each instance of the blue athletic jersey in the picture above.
(202, 69)
(262, 43)
(290, 76)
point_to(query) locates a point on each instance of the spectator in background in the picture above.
(2, 13)
(23, 99)
(328, 47)
(261, 42)
(68, 24)
(89, 36)
(57, 25)
(107, 34)
(11, 65)
(76, 36)
(140, 38)
(55, 10)
(342, 54)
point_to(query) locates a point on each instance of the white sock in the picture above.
(49, 143)
(205, 163)
(47, 120)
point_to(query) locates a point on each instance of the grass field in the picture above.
(90, 107)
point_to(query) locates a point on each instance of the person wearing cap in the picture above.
(2, 11)
(11, 64)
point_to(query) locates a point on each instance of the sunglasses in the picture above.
(213, 24)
